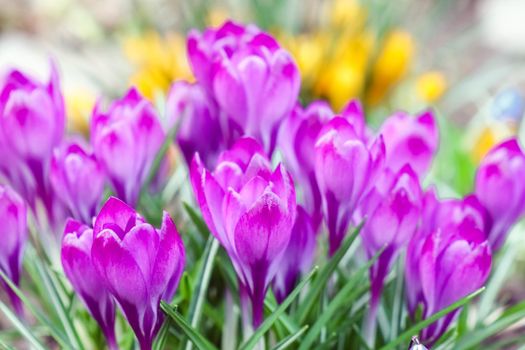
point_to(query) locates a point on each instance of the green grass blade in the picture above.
(286, 342)
(197, 219)
(345, 296)
(198, 339)
(268, 322)
(508, 318)
(24, 330)
(324, 275)
(57, 334)
(406, 335)
(203, 280)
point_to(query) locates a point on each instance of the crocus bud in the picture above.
(297, 137)
(139, 264)
(392, 209)
(345, 167)
(196, 116)
(13, 230)
(449, 215)
(452, 264)
(32, 123)
(250, 209)
(298, 256)
(501, 172)
(410, 140)
(79, 269)
(126, 141)
(77, 179)
(254, 81)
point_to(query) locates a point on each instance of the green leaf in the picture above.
(24, 330)
(268, 322)
(160, 342)
(508, 318)
(197, 220)
(344, 297)
(203, 280)
(406, 335)
(57, 334)
(286, 342)
(288, 323)
(319, 285)
(198, 339)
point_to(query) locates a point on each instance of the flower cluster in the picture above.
(336, 173)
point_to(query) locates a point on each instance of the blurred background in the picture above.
(464, 59)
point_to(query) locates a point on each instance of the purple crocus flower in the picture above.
(298, 256)
(452, 264)
(412, 140)
(32, 123)
(197, 117)
(126, 141)
(448, 215)
(392, 209)
(13, 230)
(250, 209)
(79, 269)
(77, 179)
(345, 167)
(254, 81)
(139, 264)
(501, 172)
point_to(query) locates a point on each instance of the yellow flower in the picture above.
(307, 50)
(347, 13)
(431, 86)
(217, 17)
(79, 105)
(158, 61)
(391, 65)
(490, 135)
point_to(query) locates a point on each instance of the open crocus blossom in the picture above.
(412, 140)
(501, 189)
(449, 215)
(250, 209)
(13, 230)
(139, 264)
(452, 264)
(79, 269)
(254, 81)
(126, 141)
(77, 179)
(298, 256)
(345, 167)
(392, 209)
(196, 116)
(32, 123)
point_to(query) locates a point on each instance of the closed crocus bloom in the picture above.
(79, 269)
(392, 208)
(126, 140)
(32, 123)
(196, 116)
(345, 167)
(412, 140)
(139, 264)
(501, 172)
(297, 137)
(254, 81)
(250, 209)
(452, 264)
(448, 214)
(77, 179)
(13, 230)
(298, 256)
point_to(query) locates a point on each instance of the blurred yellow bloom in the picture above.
(158, 61)
(431, 86)
(391, 65)
(345, 12)
(216, 17)
(490, 135)
(79, 105)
